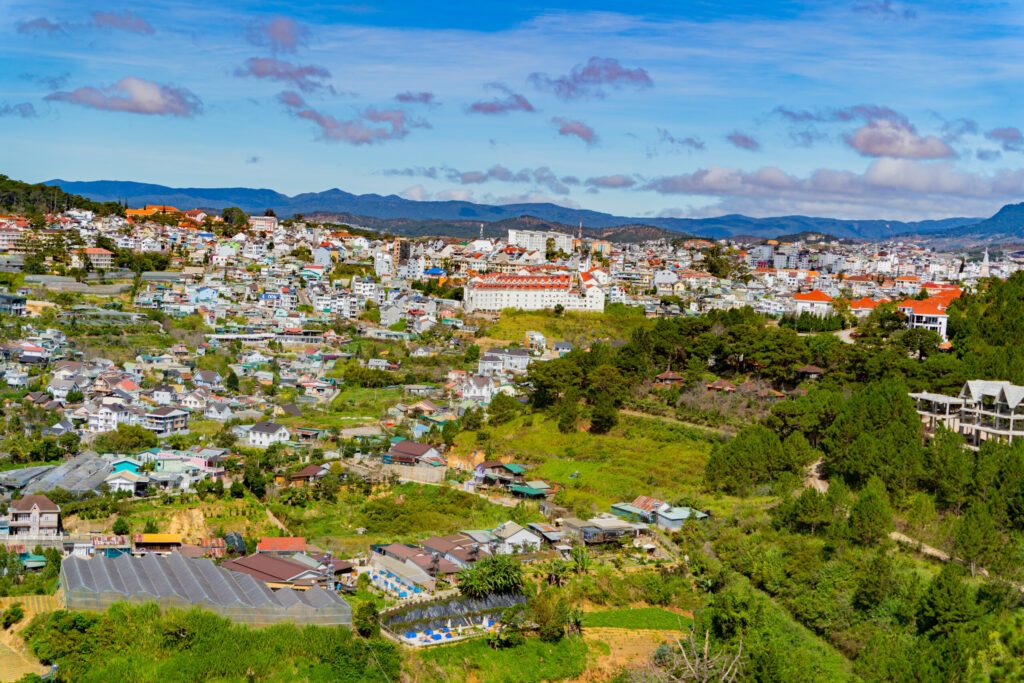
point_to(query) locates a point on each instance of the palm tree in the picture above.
(473, 583)
(435, 565)
(557, 571)
(580, 559)
(505, 573)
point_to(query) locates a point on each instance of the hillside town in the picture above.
(188, 393)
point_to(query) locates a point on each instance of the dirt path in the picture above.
(276, 522)
(666, 418)
(813, 478)
(846, 336)
(928, 550)
(14, 665)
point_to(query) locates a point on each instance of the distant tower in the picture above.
(984, 265)
(481, 231)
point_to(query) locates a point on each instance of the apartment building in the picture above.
(538, 240)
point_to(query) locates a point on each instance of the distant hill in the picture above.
(1008, 222)
(1005, 228)
(393, 207)
(470, 229)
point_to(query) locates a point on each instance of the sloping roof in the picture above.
(647, 503)
(268, 568)
(25, 504)
(526, 490)
(164, 539)
(266, 428)
(281, 544)
(815, 296)
(307, 472)
(413, 448)
(931, 306)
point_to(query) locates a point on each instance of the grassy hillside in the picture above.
(640, 456)
(616, 323)
(532, 662)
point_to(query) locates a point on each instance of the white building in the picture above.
(983, 410)
(263, 434)
(929, 314)
(815, 303)
(514, 539)
(536, 240)
(530, 292)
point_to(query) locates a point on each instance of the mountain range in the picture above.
(406, 216)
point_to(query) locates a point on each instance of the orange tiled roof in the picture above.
(815, 296)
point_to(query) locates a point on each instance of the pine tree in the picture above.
(874, 582)
(604, 417)
(977, 537)
(947, 603)
(951, 467)
(871, 516)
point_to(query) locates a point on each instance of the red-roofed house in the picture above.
(815, 302)
(862, 307)
(281, 545)
(930, 313)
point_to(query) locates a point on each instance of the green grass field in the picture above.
(532, 662)
(649, 618)
(353, 406)
(640, 456)
(574, 326)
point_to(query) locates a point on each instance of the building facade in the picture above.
(497, 291)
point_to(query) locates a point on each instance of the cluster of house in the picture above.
(145, 473)
(443, 557)
(928, 313)
(270, 271)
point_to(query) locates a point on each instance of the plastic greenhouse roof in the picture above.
(194, 581)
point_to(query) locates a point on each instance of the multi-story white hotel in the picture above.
(983, 410)
(537, 240)
(531, 292)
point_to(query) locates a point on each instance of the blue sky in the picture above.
(860, 109)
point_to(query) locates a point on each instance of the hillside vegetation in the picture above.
(143, 644)
(35, 200)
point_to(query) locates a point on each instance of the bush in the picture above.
(13, 615)
(366, 619)
(126, 439)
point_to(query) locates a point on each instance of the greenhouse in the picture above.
(175, 581)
